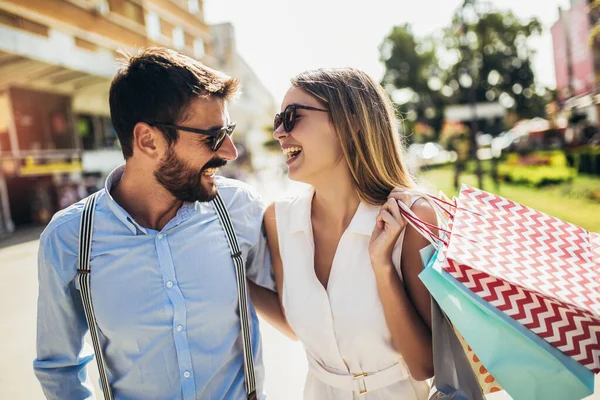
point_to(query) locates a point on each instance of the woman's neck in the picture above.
(335, 202)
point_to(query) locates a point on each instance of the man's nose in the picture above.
(227, 151)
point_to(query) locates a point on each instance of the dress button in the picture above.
(160, 236)
(186, 374)
(169, 284)
(179, 328)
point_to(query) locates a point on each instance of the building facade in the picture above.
(577, 60)
(57, 60)
(253, 110)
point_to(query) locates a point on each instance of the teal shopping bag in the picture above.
(526, 366)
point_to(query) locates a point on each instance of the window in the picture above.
(189, 42)
(101, 7)
(153, 25)
(193, 6)
(199, 48)
(178, 38)
(133, 11)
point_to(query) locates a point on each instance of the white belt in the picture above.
(364, 382)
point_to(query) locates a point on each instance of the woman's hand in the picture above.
(390, 223)
(406, 301)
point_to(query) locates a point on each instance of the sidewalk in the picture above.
(21, 235)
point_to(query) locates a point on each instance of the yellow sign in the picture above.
(30, 169)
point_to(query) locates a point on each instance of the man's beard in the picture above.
(183, 182)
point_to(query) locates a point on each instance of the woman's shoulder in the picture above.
(290, 211)
(297, 198)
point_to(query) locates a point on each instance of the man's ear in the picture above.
(148, 140)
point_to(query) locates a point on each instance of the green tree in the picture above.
(493, 59)
(412, 75)
(483, 53)
(483, 56)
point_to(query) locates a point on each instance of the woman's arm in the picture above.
(406, 304)
(269, 304)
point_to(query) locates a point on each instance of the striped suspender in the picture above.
(85, 250)
(240, 273)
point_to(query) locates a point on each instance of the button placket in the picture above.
(182, 348)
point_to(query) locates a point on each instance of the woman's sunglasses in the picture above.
(288, 116)
(217, 135)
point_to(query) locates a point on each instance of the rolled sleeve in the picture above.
(258, 264)
(62, 354)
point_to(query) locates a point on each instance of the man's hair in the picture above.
(157, 85)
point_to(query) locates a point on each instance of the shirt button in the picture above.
(179, 328)
(186, 374)
(160, 236)
(169, 284)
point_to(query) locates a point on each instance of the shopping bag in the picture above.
(526, 366)
(485, 379)
(596, 395)
(454, 378)
(537, 269)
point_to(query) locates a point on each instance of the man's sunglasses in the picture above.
(217, 135)
(288, 116)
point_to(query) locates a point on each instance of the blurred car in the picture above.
(428, 154)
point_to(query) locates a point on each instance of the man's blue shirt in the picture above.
(165, 302)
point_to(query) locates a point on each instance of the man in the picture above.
(163, 281)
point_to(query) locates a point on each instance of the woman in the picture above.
(345, 266)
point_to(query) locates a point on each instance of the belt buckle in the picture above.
(361, 378)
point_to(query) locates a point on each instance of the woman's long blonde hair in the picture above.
(364, 119)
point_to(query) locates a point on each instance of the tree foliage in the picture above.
(482, 55)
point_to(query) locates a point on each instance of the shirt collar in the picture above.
(364, 220)
(300, 218)
(362, 223)
(113, 178)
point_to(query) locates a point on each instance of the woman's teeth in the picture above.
(210, 171)
(291, 151)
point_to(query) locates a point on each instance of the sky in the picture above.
(280, 38)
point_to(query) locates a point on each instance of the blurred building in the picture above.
(57, 59)
(577, 59)
(489, 116)
(253, 111)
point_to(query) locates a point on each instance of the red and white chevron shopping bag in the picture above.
(537, 269)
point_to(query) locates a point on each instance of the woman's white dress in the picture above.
(343, 327)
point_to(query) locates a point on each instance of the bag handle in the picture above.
(444, 216)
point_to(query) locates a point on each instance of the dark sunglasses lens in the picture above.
(276, 121)
(289, 118)
(217, 141)
(220, 138)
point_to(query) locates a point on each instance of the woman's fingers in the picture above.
(400, 194)
(389, 220)
(392, 206)
(398, 191)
